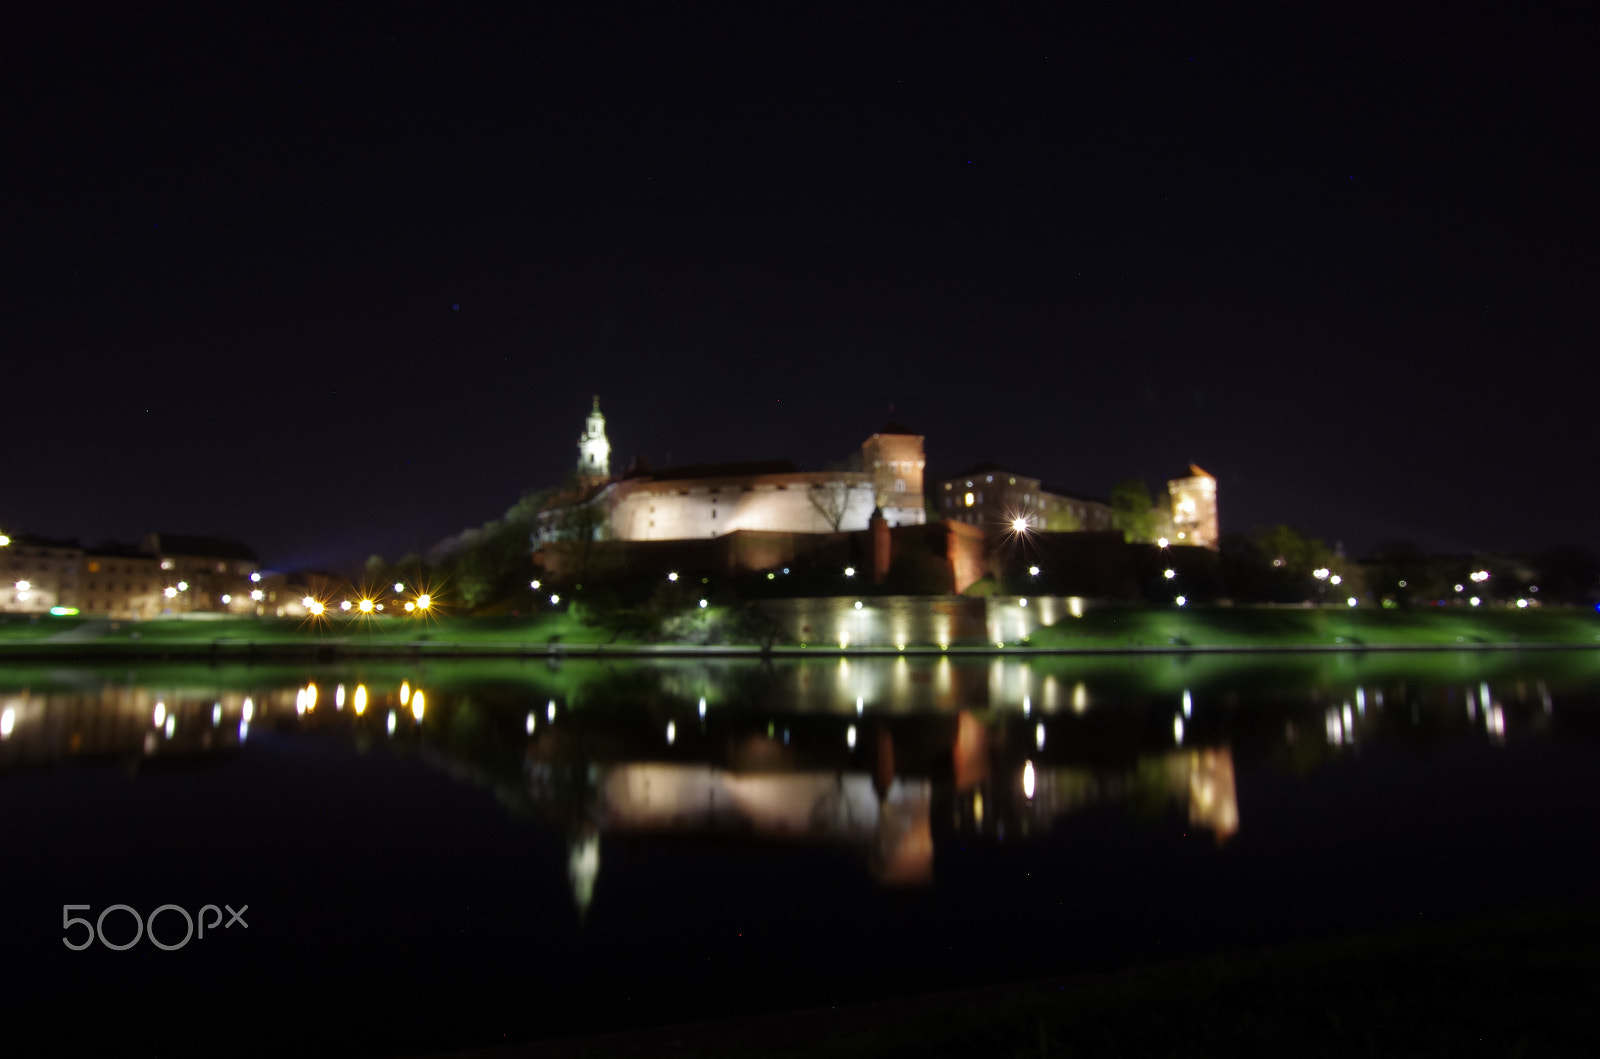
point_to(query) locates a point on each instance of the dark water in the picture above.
(815, 833)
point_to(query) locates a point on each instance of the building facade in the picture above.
(1194, 509)
(992, 498)
(166, 574)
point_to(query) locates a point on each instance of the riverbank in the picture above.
(721, 632)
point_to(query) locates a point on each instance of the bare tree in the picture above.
(831, 500)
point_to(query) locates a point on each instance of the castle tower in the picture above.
(894, 457)
(594, 451)
(1194, 508)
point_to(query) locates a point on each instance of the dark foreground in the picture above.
(1527, 985)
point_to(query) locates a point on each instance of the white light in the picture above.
(1022, 602)
(300, 700)
(1019, 525)
(391, 722)
(344, 604)
(417, 704)
(532, 722)
(338, 697)
(858, 604)
(702, 604)
(1320, 573)
(861, 705)
(1038, 735)
(1177, 730)
(317, 608)
(555, 598)
(249, 709)
(1027, 705)
(1181, 600)
(172, 723)
(1033, 571)
(702, 706)
(672, 576)
(227, 599)
(255, 577)
(257, 595)
(8, 722)
(216, 714)
(244, 729)
(1188, 704)
(1351, 601)
(183, 586)
(1169, 573)
(306, 601)
(1335, 580)
(399, 586)
(1162, 542)
(849, 571)
(850, 737)
(411, 606)
(1474, 601)
(169, 592)
(550, 711)
(311, 696)
(160, 716)
(1522, 603)
(672, 733)
(1460, 588)
(533, 584)
(1027, 780)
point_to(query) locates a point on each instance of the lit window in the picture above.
(967, 499)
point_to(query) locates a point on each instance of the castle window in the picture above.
(899, 485)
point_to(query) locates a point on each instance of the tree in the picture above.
(831, 500)
(1132, 510)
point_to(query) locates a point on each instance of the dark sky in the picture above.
(344, 284)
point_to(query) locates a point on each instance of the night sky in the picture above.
(344, 284)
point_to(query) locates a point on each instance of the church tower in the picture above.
(594, 451)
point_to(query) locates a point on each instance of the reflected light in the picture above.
(1038, 736)
(672, 733)
(361, 699)
(338, 697)
(1188, 704)
(249, 709)
(532, 722)
(311, 696)
(8, 722)
(850, 737)
(1177, 730)
(216, 714)
(405, 692)
(861, 705)
(1027, 705)
(391, 722)
(417, 704)
(244, 729)
(702, 706)
(160, 716)
(172, 722)
(1027, 779)
(550, 711)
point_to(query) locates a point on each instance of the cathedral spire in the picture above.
(594, 450)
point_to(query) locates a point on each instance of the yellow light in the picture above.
(361, 699)
(1020, 525)
(366, 606)
(306, 601)
(411, 606)
(967, 500)
(405, 692)
(317, 608)
(311, 696)
(424, 601)
(4, 540)
(416, 705)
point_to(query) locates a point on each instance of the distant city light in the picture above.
(257, 595)
(1019, 525)
(1522, 603)
(1474, 601)
(1351, 601)
(160, 716)
(1028, 780)
(672, 733)
(227, 599)
(1320, 573)
(1169, 573)
(858, 604)
(555, 598)
(532, 722)
(533, 585)
(344, 604)
(8, 719)
(1479, 575)
(424, 601)
(849, 571)
(169, 592)
(1033, 571)
(255, 577)
(360, 704)
(417, 704)
(1038, 735)
(1460, 588)
(967, 500)
(850, 737)
(183, 586)
(366, 606)
(1162, 542)
(1336, 580)
(702, 604)
(1181, 600)
(672, 576)
(23, 586)
(405, 692)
